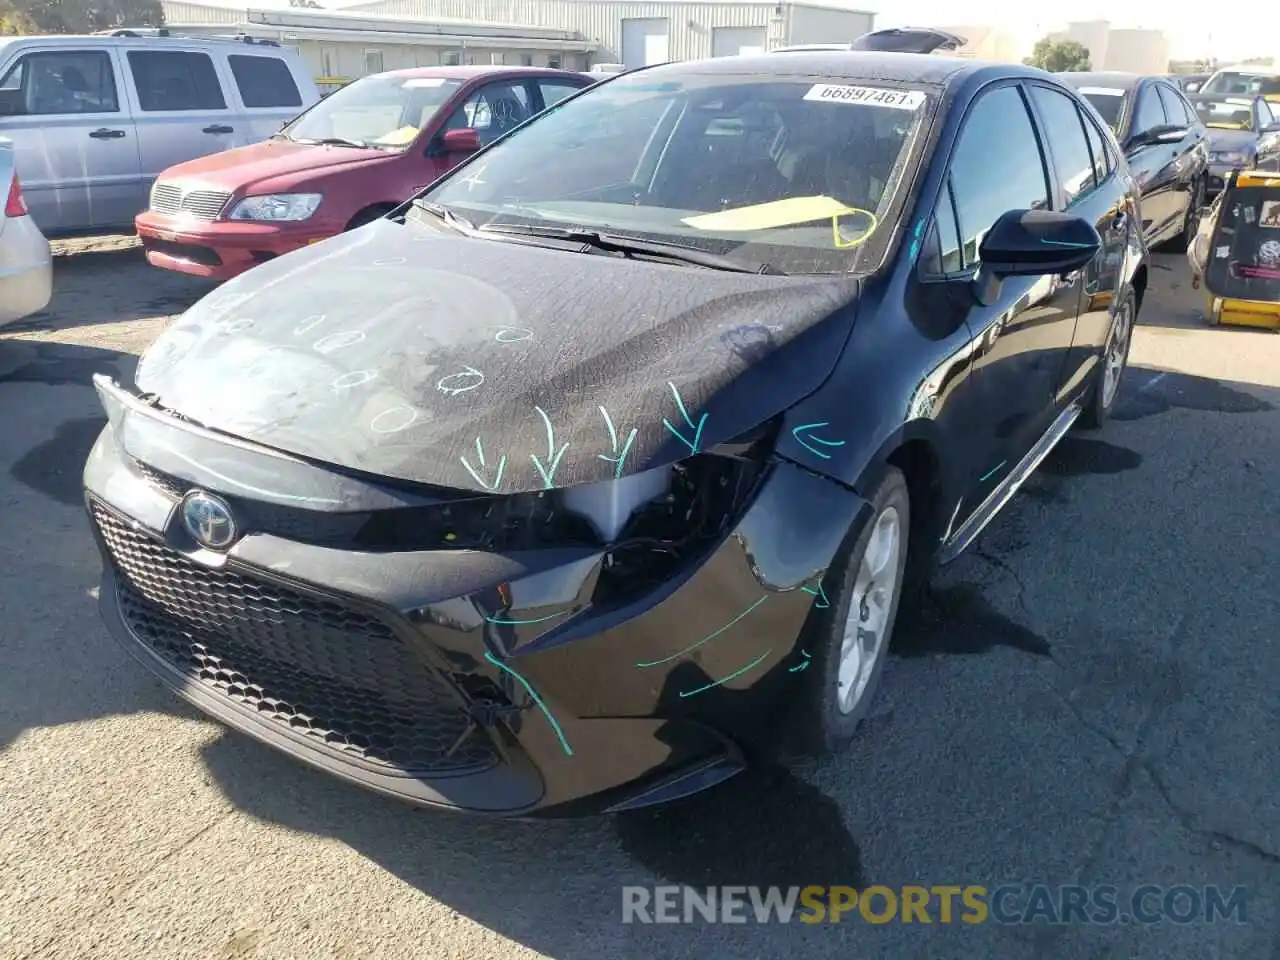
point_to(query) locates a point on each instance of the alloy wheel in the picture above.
(870, 608)
(1117, 353)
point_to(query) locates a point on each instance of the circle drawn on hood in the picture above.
(513, 334)
(307, 324)
(234, 326)
(394, 420)
(356, 378)
(389, 262)
(456, 383)
(336, 341)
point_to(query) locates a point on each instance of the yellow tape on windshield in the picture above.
(776, 213)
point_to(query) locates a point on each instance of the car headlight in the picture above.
(1235, 157)
(277, 207)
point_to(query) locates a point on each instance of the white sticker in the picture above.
(1222, 253)
(1102, 91)
(416, 82)
(872, 96)
(1238, 102)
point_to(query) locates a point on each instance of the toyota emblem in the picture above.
(209, 520)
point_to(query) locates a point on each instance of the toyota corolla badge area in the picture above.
(563, 487)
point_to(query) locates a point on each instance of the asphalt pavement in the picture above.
(1092, 700)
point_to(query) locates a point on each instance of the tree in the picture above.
(79, 16)
(1058, 56)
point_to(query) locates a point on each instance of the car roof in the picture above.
(1107, 78)
(471, 72)
(1257, 69)
(917, 68)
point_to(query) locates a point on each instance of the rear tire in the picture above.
(849, 644)
(1191, 224)
(1114, 361)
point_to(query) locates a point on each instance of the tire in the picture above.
(1191, 224)
(368, 215)
(1115, 357)
(823, 723)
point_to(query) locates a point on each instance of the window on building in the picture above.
(175, 80)
(69, 81)
(989, 183)
(329, 62)
(553, 62)
(1064, 130)
(372, 62)
(452, 58)
(526, 59)
(264, 82)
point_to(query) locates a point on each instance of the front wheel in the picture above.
(1115, 357)
(849, 644)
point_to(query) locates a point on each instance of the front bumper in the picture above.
(475, 681)
(1218, 174)
(222, 249)
(26, 269)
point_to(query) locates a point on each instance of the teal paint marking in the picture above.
(1067, 243)
(710, 636)
(502, 621)
(733, 676)
(536, 699)
(619, 458)
(696, 442)
(803, 665)
(992, 472)
(821, 602)
(476, 473)
(808, 440)
(548, 471)
(915, 240)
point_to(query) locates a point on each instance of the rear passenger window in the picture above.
(69, 81)
(175, 80)
(264, 82)
(553, 92)
(1172, 106)
(1149, 113)
(996, 167)
(1064, 129)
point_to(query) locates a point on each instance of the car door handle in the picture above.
(102, 133)
(219, 128)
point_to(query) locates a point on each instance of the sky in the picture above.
(1192, 29)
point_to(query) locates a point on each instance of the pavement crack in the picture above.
(1020, 597)
(1190, 821)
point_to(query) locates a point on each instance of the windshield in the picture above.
(780, 170)
(384, 111)
(1108, 102)
(1232, 113)
(1246, 83)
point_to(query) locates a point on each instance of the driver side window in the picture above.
(492, 110)
(1149, 113)
(987, 183)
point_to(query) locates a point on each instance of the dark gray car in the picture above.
(1244, 134)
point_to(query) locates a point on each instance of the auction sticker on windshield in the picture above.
(1101, 91)
(871, 96)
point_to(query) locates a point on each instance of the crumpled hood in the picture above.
(410, 353)
(1220, 140)
(243, 167)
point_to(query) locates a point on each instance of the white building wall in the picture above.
(812, 24)
(1138, 51)
(1093, 35)
(690, 24)
(988, 43)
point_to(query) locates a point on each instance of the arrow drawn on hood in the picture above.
(548, 471)
(693, 444)
(618, 458)
(475, 472)
(804, 436)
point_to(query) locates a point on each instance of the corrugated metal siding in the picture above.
(826, 25)
(689, 24)
(177, 12)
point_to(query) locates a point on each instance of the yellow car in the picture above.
(1236, 252)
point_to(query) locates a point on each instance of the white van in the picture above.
(95, 119)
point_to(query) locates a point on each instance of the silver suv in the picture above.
(95, 119)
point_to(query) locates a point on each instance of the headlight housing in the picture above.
(1240, 158)
(277, 207)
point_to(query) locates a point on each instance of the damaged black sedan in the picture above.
(564, 487)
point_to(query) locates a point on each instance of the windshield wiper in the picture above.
(630, 245)
(334, 142)
(446, 214)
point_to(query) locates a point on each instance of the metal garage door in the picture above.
(732, 41)
(644, 42)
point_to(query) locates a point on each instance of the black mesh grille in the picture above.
(315, 666)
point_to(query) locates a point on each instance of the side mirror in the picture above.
(460, 141)
(1033, 243)
(1165, 133)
